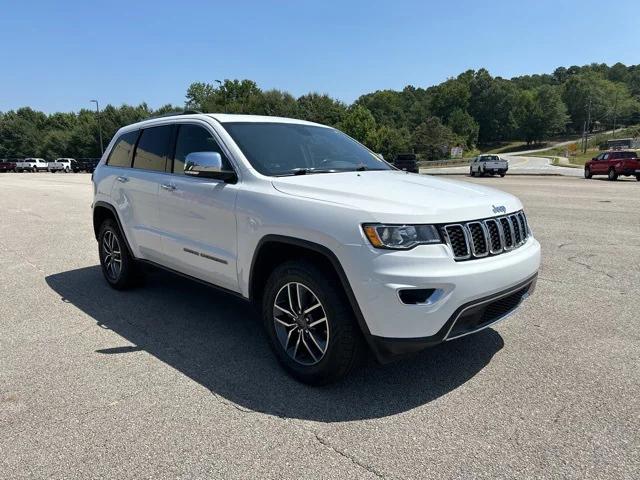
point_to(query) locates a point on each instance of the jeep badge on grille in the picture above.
(499, 209)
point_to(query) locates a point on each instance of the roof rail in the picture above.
(173, 114)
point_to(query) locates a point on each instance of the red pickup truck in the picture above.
(614, 163)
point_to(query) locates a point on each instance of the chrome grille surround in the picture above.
(486, 237)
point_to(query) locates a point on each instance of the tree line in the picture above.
(471, 109)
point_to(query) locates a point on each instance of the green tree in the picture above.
(391, 141)
(275, 103)
(321, 108)
(608, 100)
(433, 140)
(492, 104)
(360, 124)
(541, 114)
(54, 144)
(464, 126)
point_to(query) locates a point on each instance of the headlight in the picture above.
(401, 237)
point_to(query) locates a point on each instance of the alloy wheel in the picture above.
(112, 255)
(300, 323)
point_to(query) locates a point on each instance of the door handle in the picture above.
(168, 187)
(122, 179)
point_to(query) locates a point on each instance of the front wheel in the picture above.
(310, 323)
(472, 173)
(502, 175)
(638, 178)
(587, 173)
(613, 176)
(118, 266)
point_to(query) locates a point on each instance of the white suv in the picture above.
(338, 249)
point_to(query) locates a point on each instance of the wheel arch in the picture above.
(103, 211)
(272, 250)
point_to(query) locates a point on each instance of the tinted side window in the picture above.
(192, 138)
(120, 155)
(153, 148)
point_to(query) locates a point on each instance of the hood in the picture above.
(394, 196)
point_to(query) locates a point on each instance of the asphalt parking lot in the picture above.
(176, 380)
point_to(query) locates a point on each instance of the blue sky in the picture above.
(56, 56)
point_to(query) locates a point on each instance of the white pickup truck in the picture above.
(488, 164)
(32, 165)
(65, 165)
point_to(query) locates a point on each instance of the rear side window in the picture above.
(192, 138)
(153, 148)
(120, 155)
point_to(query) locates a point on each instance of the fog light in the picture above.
(415, 296)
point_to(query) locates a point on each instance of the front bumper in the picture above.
(466, 320)
(392, 326)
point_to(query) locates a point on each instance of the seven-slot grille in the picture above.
(491, 236)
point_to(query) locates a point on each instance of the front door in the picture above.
(198, 215)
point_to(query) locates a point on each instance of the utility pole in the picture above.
(615, 114)
(99, 126)
(586, 128)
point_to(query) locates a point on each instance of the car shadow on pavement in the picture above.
(216, 340)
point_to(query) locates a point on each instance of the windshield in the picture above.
(278, 149)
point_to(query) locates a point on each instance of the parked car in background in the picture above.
(407, 162)
(32, 165)
(614, 163)
(488, 165)
(7, 165)
(65, 165)
(87, 164)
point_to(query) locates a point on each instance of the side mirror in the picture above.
(207, 165)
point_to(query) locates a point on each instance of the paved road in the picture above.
(174, 380)
(517, 165)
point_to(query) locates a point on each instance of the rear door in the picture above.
(135, 191)
(198, 214)
(612, 159)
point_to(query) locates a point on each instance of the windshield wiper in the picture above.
(304, 171)
(361, 168)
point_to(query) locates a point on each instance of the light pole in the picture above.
(224, 97)
(99, 126)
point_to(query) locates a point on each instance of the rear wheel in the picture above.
(502, 175)
(118, 266)
(310, 324)
(587, 173)
(612, 175)
(472, 173)
(638, 178)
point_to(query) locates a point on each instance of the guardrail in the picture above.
(443, 163)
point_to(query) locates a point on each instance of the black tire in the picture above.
(638, 178)
(128, 274)
(613, 176)
(472, 173)
(587, 173)
(344, 346)
(502, 175)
